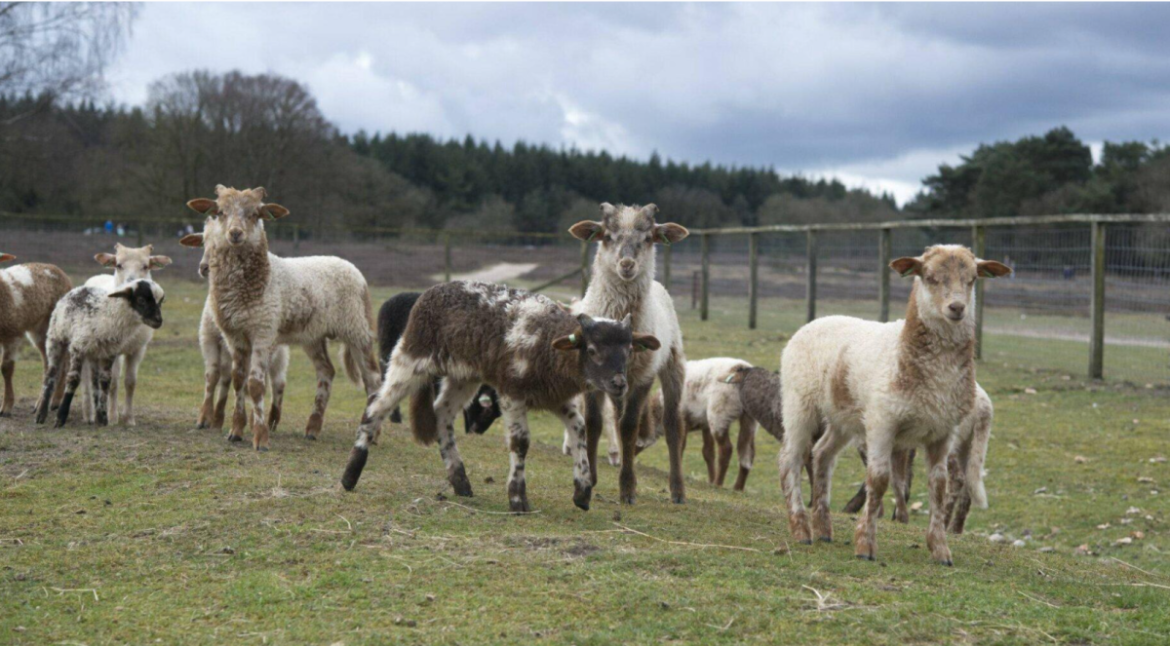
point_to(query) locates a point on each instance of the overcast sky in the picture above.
(877, 95)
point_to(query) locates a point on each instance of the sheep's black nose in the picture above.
(236, 235)
(957, 308)
(626, 263)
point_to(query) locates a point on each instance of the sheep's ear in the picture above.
(7, 257)
(646, 342)
(203, 205)
(193, 240)
(992, 269)
(587, 230)
(158, 262)
(572, 342)
(260, 193)
(126, 293)
(106, 259)
(670, 233)
(272, 211)
(907, 266)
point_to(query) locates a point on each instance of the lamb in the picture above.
(261, 300)
(217, 364)
(622, 285)
(531, 350)
(94, 325)
(28, 294)
(893, 386)
(129, 264)
(483, 409)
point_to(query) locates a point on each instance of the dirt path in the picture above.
(1073, 336)
(498, 273)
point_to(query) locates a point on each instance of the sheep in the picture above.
(483, 409)
(532, 351)
(893, 386)
(964, 468)
(92, 324)
(217, 365)
(609, 426)
(129, 264)
(28, 294)
(622, 284)
(261, 300)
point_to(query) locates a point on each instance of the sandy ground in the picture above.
(498, 273)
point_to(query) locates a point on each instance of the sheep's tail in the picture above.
(353, 370)
(364, 349)
(980, 436)
(424, 425)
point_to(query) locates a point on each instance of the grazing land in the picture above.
(166, 534)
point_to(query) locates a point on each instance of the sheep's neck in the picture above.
(610, 296)
(239, 274)
(930, 356)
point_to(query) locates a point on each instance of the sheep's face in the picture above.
(627, 235)
(946, 276)
(604, 346)
(145, 297)
(240, 214)
(132, 264)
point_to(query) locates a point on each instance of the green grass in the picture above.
(164, 534)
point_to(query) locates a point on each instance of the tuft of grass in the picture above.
(165, 534)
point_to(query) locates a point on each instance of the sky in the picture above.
(877, 95)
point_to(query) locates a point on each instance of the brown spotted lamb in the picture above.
(261, 301)
(622, 285)
(891, 386)
(28, 294)
(532, 351)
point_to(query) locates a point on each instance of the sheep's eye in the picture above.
(118, 266)
(592, 352)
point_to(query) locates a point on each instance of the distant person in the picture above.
(109, 227)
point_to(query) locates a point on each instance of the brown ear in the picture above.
(992, 269)
(193, 240)
(587, 230)
(572, 342)
(644, 342)
(907, 266)
(272, 211)
(158, 262)
(670, 233)
(6, 257)
(203, 205)
(106, 259)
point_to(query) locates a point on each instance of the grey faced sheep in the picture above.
(530, 349)
(28, 294)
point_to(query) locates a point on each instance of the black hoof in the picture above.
(460, 482)
(519, 506)
(582, 496)
(312, 438)
(948, 563)
(807, 541)
(825, 539)
(866, 557)
(5, 414)
(202, 427)
(353, 470)
(262, 449)
(235, 438)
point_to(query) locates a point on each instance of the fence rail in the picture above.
(1087, 285)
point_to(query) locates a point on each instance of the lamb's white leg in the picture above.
(89, 392)
(879, 443)
(404, 376)
(448, 406)
(570, 416)
(131, 362)
(801, 424)
(319, 354)
(241, 360)
(824, 458)
(515, 414)
(936, 535)
(613, 445)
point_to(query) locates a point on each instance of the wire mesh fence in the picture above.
(1040, 318)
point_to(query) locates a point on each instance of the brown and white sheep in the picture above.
(28, 294)
(894, 386)
(532, 351)
(261, 300)
(622, 284)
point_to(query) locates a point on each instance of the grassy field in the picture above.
(164, 534)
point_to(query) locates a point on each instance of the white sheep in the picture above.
(129, 264)
(92, 324)
(28, 294)
(261, 300)
(622, 284)
(893, 386)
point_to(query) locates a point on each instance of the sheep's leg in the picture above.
(319, 354)
(278, 375)
(879, 445)
(708, 451)
(54, 356)
(958, 495)
(631, 414)
(672, 378)
(225, 388)
(824, 458)
(257, 388)
(403, 377)
(128, 363)
(40, 337)
(112, 395)
(7, 369)
(723, 439)
(613, 445)
(594, 419)
(936, 535)
(452, 398)
(91, 391)
(104, 371)
(570, 416)
(72, 379)
(211, 349)
(900, 466)
(241, 360)
(800, 427)
(745, 447)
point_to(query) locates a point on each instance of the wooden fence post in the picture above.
(754, 280)
(584, 267)
(979, 246)
(666, 268)
(447, 257)
(811, 270)
(1097, 337)
(704, 283)
(296, 236)
(883, 269)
